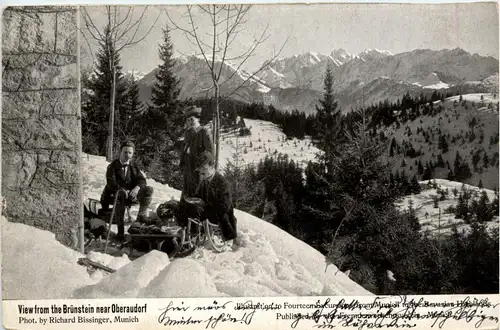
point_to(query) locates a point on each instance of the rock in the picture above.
(40, 118)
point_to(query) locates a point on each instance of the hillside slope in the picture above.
(268, 262)
(469, 127)
(266, 139)
(438, 220)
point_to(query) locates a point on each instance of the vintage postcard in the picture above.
(246, 166)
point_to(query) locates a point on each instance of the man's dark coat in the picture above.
(219, 205)
(115, 178)
(196, 142)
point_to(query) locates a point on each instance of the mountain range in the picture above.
(371, 76)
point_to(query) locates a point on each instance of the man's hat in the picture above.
(205, 158)
(127, 144)
(192, 110)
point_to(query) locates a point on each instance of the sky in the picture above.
(316, 28)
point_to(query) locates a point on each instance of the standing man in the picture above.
(123, 173)
(197, 139)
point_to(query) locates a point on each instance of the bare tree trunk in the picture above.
(217, 126)
(109, 155)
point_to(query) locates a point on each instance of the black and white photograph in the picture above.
(237, 150)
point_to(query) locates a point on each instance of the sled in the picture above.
(177, 241)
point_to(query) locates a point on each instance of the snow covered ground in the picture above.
(268, 262)
(436, 220)
(266, 138)
(439, 85)
(487, 98)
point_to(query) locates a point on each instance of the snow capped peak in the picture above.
(182, 59)
(340, 56)
(375, 50)
(340, 52)
(315, 56)
(308, 58)
(374, 53)
(135, 75)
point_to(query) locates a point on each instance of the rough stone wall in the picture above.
(41, 134)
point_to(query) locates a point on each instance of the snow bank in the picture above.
(36, 266)
(108, 260)
(128, 280)
(181, 278)
(304, 262)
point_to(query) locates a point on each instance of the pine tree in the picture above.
(486, 160)
(412, 216)
(415, 186)
(436, 202)
(461, 168)
(130, 114)
(96, 110)
(163, 119)
(427, 175)
(392, 147)
(440, 161)
(462, 206)
(352, 206)
(483, 211)
(443, 144)
(458, 161)
(420, 167)
(328, 117)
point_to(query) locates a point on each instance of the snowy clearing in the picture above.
(440, 85)
(487, 98)
(266, 139)
(436, 220)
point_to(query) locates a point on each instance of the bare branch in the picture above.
(90, 25)
(197, 39)
(128, 26)
(88, 44)
(264, 66)
(136, 24)
(250, 52)
(130, 13)
(214, 77)
(228, 34)
(132, 43)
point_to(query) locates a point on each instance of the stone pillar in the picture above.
(41, 132)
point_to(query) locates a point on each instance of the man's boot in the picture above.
(144, 201)
(119, 216)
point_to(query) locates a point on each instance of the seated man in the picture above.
(215, 191)
(123, 173)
